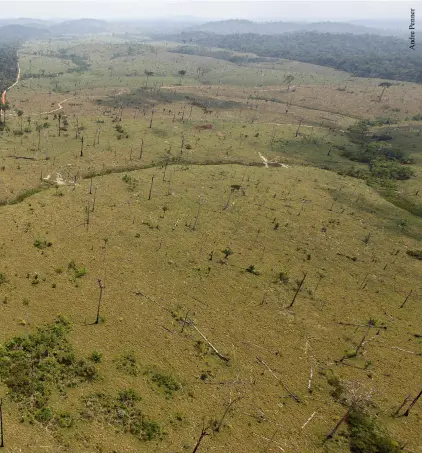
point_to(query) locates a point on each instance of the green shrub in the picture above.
(128, 396)
(96, 357)
(131, 182)
(3, 278)
(35, 365)
(39, 244)
(43, 415)
(283, 277)
(167, 382)
(64, 420)
(127, 363)
(78, 272)
(251, 269)
(121, 412)
(227, 252)
(390, 170)
(366, 437)
(81, 272)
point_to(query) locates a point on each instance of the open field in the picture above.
(201, 250)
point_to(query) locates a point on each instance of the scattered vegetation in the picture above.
(42, 244)
(123, 412)
(128, 364)
(164, 381)
(35, 366)
(365, 436)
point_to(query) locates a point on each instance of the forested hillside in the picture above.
(228, 27)
(8, 65)
(361, 55)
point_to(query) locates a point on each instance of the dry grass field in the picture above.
(255, 303)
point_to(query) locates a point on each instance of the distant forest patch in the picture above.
(382, 57)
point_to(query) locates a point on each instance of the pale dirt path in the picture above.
(125, 90)
(55, 110)
(17, 78)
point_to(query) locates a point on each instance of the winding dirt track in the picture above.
(55, 110)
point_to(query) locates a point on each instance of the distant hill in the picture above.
(80, 27)
(22, 30)
(21, 33)
(228, 27)
(39, 23)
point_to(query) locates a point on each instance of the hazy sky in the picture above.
(306, 10)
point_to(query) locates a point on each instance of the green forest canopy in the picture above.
(383, 57)
(8, 65)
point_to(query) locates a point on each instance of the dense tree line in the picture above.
(219, 54)
(361, 55)
(8, 65)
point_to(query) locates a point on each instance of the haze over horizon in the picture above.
(305, 11)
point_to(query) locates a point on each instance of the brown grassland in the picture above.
(216, 247)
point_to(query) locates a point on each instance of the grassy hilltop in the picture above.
(194, 255)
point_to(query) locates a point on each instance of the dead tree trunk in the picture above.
(297, 291)
(101, 286)
(408, 397)
(150, 189)
(407, 297)
(142, 148)
(1, 424)
(181, 146)
(197, 216)
(228, 201)
(363, 339)
(165, 168)
(339, 423)
(226, 411)
(93, 201)
(201, 437)
(297, 132)
(406, 414)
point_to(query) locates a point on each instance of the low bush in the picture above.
(121, 412)
(34, 366)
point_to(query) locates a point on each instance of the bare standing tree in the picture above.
(148, 74)
(101, 287)
(384, 85)
(204, 433)
(181, 73)
(288, 79)
(1, 424)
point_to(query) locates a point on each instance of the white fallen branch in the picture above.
(405, 350)
(266, 161)
(295, 397)
(222, 357)
(274, 442)
(309, 419)
(310, 380)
